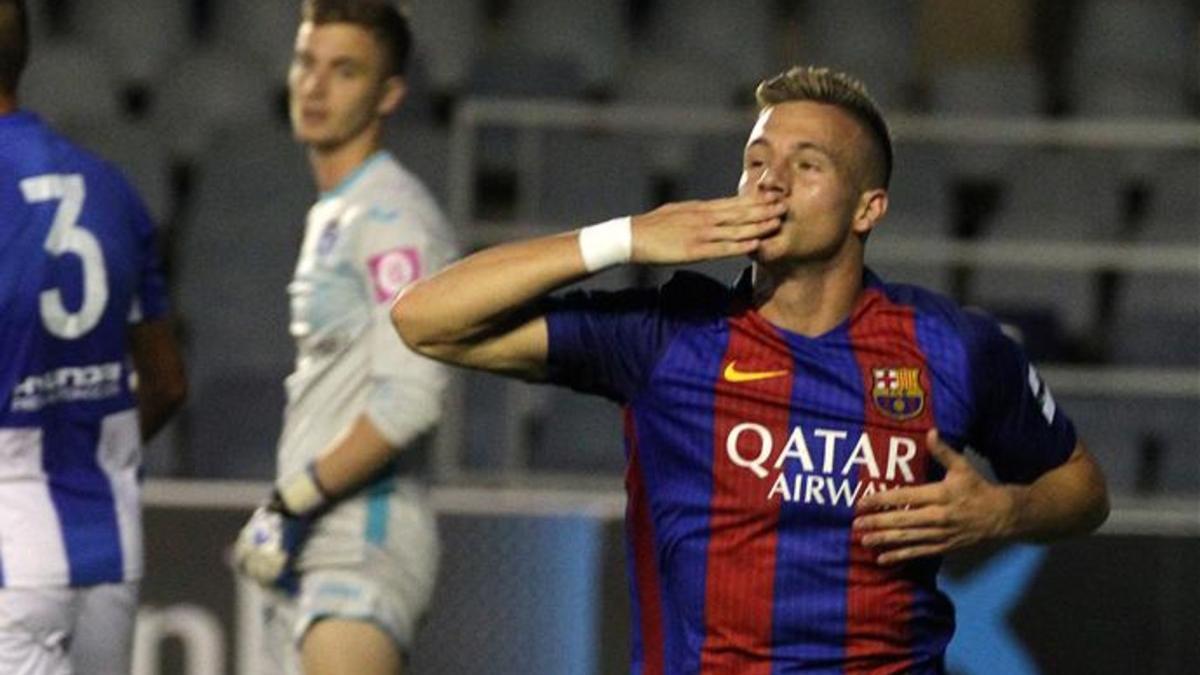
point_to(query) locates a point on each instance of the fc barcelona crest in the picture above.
(897, 392)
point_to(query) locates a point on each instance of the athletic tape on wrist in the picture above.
(301, 493)
(606, 244)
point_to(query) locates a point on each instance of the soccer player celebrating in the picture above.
(89, 367)
(347, 543)
(794, 467)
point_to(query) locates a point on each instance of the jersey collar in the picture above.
(355, 175)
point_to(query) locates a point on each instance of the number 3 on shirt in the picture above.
(67, 236)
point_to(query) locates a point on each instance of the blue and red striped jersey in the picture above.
(748, 447)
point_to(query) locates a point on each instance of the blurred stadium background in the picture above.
(1048, 170)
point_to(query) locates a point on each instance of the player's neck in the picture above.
(331, 166)
(810, 299)
(8, 104)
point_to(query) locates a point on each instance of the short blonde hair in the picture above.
(822, 85)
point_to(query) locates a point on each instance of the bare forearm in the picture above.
(1068, 500)
(162, 384)
(155, 410)
(354, 458)
(479, 311)
(483, 290)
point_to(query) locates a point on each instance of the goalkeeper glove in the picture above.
(268, 544)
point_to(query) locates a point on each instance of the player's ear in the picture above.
(872, 204)
(395, 88)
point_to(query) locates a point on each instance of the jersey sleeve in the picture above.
(1018, 427)
(398, 245)
(150, 303)
(608, 343)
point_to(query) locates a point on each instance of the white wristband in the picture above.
(300, 492)
(606, 244)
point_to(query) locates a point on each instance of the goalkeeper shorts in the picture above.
(373, 558)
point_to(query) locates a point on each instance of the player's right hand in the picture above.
(691, 231)
(268, 544)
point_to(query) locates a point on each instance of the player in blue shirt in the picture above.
(88, 369)
(794, 470)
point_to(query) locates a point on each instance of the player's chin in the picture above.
(770, 247)
(311, 133)
(765, 253)
(305, 134)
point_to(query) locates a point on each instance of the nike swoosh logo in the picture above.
(732, 374)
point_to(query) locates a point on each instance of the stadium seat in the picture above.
(592, 34)
(41, 26)
(1156, 318)
(423, 148)
(1133, 58)
(238, 246)
(1156, 338)
(1145, 445)
(713, 167)
(919, 207)
(517, 73)
(881, 52)
(656, 80)
(138, 150)
(421, 100)
(165, 455)
(507, 426)
(447, 39)
(141, 40)
(208, 91)
(1131, 98)
(666, 80)
(920, 184)
(486, 442)
(1057, 304)
(734, 36)
(521, 73)
(900, 227)
(1140, 36)
(232, 424)
(586, 177)
(986, 90)
(1106, 427)
(262, 33)
(1046, 187)
(990, 91)
(1174, 199)
(578, 433)
(68, 81)
(1177, 428)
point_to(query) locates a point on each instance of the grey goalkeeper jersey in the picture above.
(364, 241)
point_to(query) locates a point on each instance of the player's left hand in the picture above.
(925, 520)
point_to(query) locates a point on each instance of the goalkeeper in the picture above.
(347, 545)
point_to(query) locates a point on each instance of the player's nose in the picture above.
(772, 181)
(312, 85)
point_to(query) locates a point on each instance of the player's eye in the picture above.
(805, 164)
